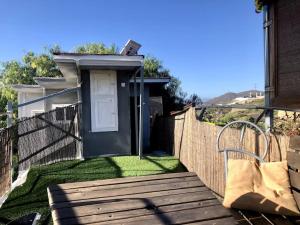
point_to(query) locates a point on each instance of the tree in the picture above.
(153, 68)
(175, 97)
(32, 65)
(259, 5)
(194, 99)
(41, 65)
(96, 48)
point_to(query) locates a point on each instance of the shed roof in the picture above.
(61, 83)
(49, 79)
(153, 80)
(94, 54)
(70, 63)
(46, 81)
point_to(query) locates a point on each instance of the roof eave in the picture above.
(70, 64)
(101, 60)
(27, 88)
(54, 82)
(164, 80)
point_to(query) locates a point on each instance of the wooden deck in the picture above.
(175, 198)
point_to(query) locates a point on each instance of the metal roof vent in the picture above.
(131, 48)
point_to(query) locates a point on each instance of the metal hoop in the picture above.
(243, 151)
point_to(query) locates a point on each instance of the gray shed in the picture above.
(109, 87)
(110, 109)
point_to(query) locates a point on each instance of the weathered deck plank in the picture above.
(130, 196)
(177, 217)
(147, 210)
(120, 180)
(127, 185)
(131, 204)
(157, 199)
(85, 195)
(222, 221)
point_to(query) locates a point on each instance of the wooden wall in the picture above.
(194, 143)
(285, 53)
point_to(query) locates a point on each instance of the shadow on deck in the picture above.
(174, 198)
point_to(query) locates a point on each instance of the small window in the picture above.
(62, 112)
(70, 112)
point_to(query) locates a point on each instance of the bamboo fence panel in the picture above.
(42, 139)
(49, 137)
(6, 143)
(194, 143)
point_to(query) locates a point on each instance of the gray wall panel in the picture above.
(105, 143)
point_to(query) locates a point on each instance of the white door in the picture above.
(104, 100)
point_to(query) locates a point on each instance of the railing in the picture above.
(270, 122)
(236, 106)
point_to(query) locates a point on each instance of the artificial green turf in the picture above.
(32, 196)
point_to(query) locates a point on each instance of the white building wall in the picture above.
(59, 101)
(32, 109)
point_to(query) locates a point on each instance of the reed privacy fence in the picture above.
(194, 143)
(42, 139)
(49, 137)
(6, 137)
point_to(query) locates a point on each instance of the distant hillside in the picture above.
(229, 96)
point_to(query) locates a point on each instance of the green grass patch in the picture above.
(32, 196)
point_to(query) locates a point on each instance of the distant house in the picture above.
(106, 90)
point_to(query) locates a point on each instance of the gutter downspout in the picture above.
(141, 112)
(136, 126)
(269, 113)
(79, 144)
(78, 81)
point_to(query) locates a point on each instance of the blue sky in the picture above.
(212, 46)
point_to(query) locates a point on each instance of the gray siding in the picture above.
(106, 143)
